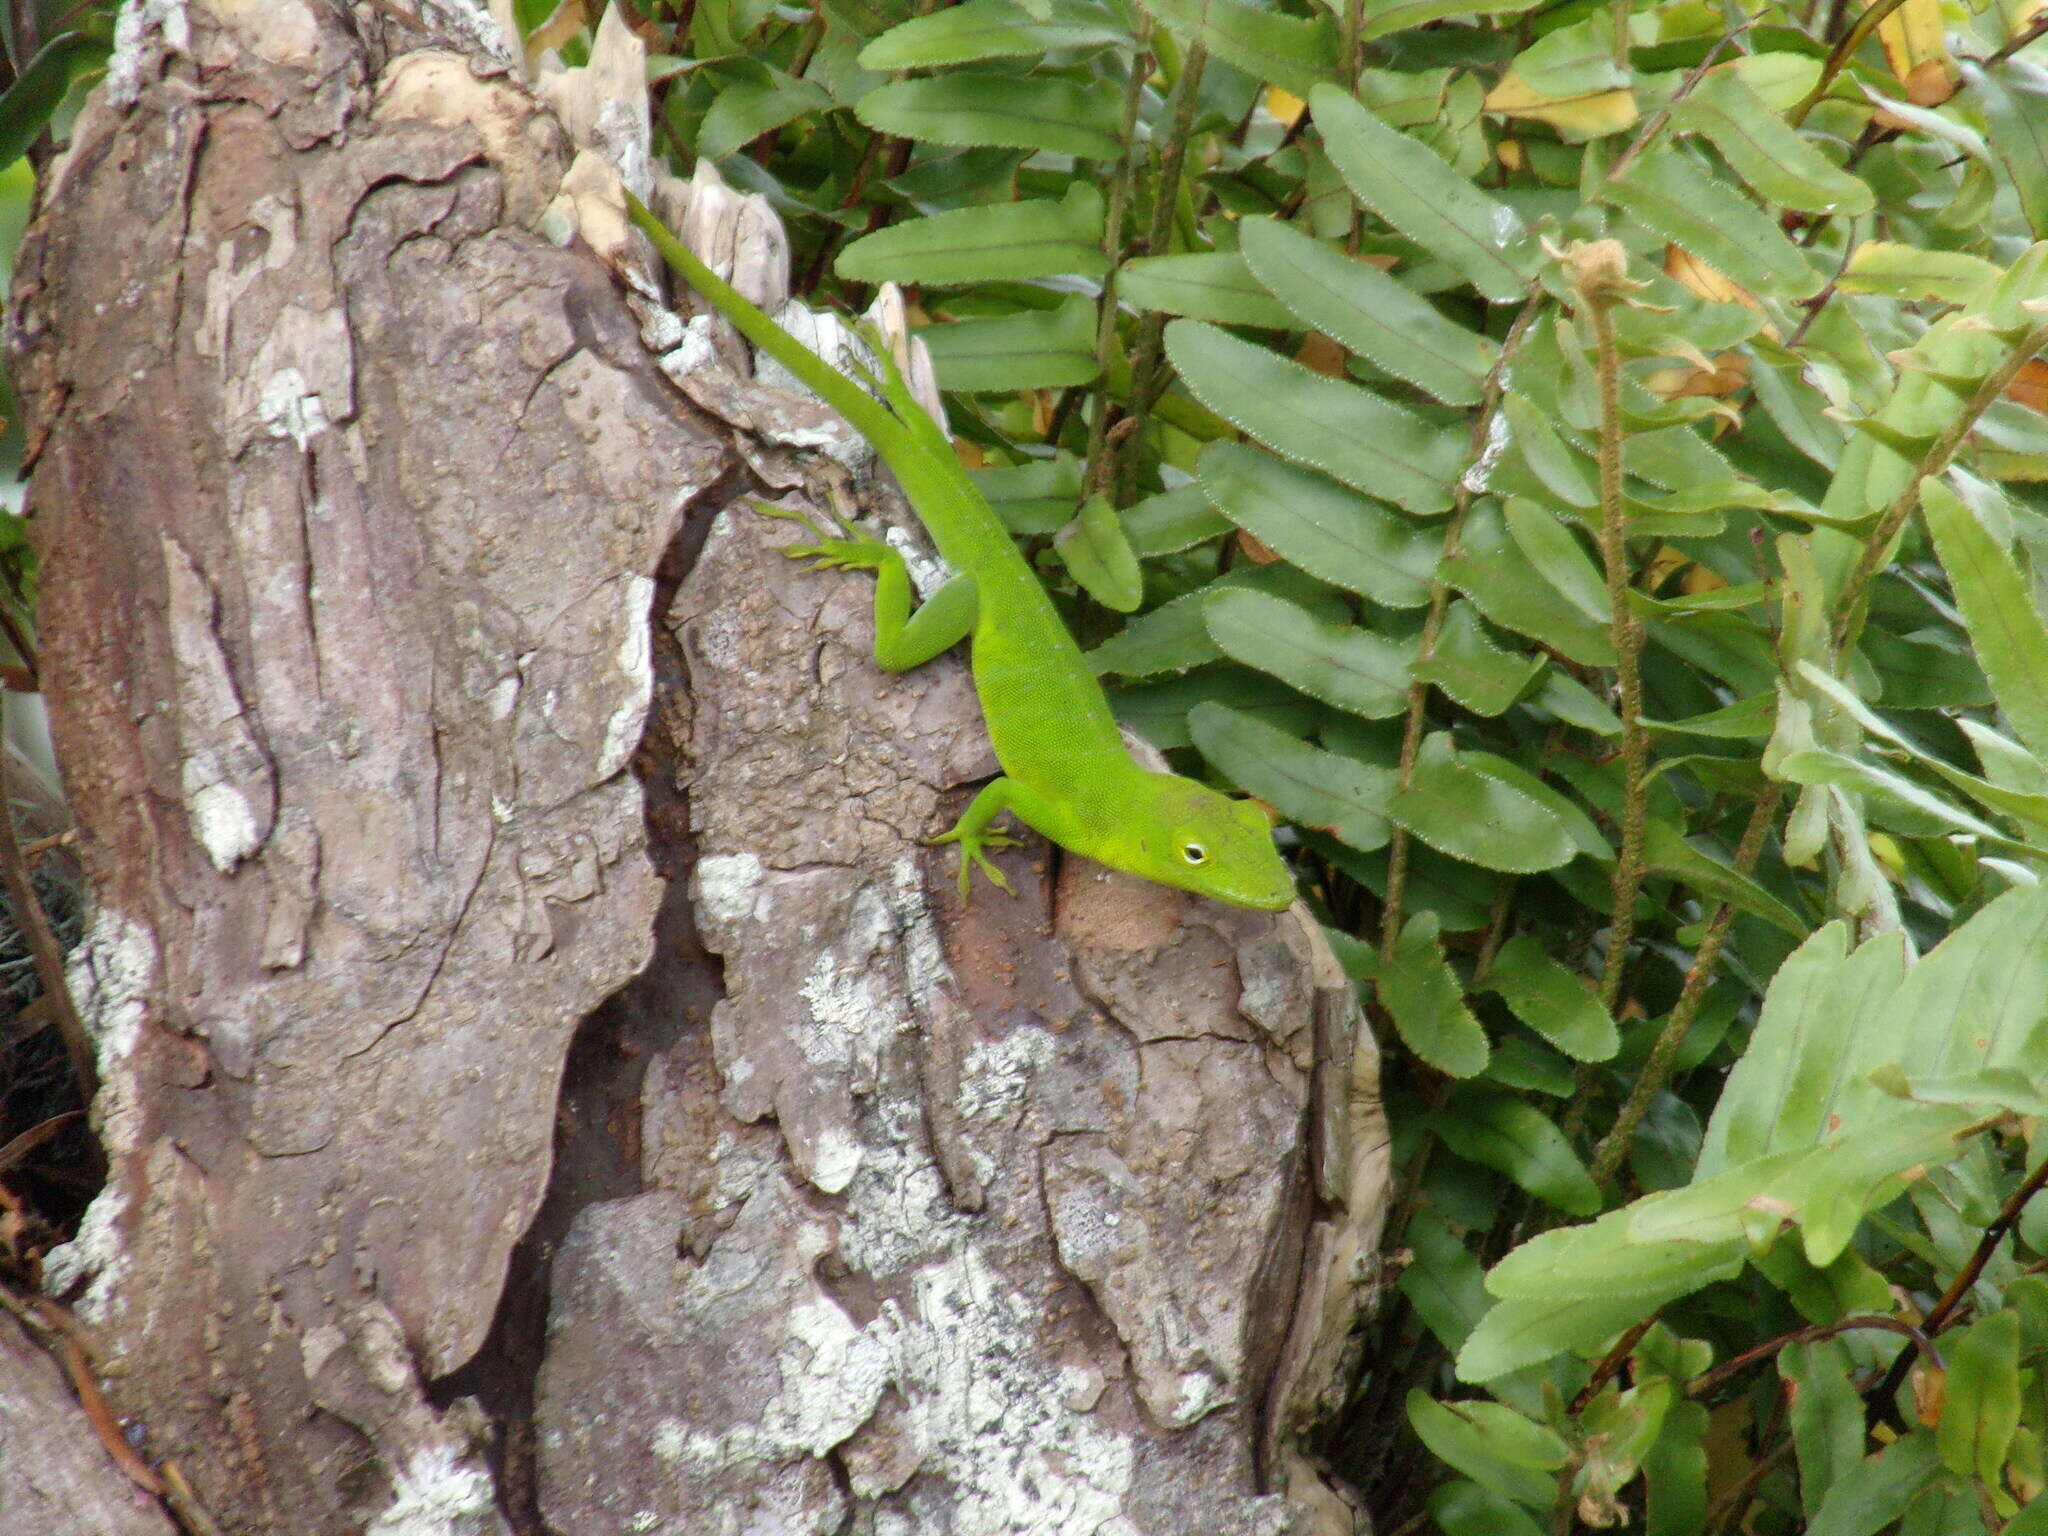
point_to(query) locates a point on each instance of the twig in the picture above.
(1705, 1383)
(1839, 57)
(1654, 125)
(1100, 471)
(1611, 1363)
(1726, 1515)
(14, 1151)
(1657, 1065)
(1395, 898)
(1600, 276)
(1973, 1268)
(1855, 595)
(29, 917)
(1147, 376)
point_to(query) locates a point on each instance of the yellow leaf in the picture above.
(1512, 157)
(1287, 108)
(1917, 51)
(1585, 116)
(1684, 268)
(1729, 372)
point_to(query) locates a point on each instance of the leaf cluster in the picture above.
(1582, 465)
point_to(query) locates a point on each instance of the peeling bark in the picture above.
(391, 682)
(349, 498)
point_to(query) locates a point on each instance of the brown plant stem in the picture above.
(1625, 630)
(1147, 375)
(1853, 603)
(1100, 470)
(27, 910)
(1973, 1268)
(1839, 57)
(1656, 1070)
(1439, 601)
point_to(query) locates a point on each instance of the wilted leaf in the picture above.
(1568, 78)
(1915, 48)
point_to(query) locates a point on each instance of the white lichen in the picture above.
(439, 1493)
(726, 886)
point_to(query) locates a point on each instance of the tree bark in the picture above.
(403, 637)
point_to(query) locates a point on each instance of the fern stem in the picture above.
(1100, 471)
(1147, 374)
(1599, 286)
(1469, 484)
(1854, 603)
(1657, 1066)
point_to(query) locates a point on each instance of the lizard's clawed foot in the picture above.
(973, 856)
(831, 551)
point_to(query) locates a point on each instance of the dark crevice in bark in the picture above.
(597, 1121)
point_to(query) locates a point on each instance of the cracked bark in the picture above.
(462, 1180)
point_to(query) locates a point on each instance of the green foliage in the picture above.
(1584, 469)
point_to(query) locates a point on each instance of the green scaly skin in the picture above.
(1066, 773)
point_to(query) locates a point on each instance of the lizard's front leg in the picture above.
(904, 638)
(972, 831)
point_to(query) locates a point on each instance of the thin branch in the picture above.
(1600, 281)
(1100, 471)
(1855, 595)
(1839, 57)
(1439, 602)
(1654, 124)
(1706, 1382)
(1973, 1269)
(1147, 374)
(1657, 1065)
(29, 918)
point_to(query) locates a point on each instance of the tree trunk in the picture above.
(546, 1083)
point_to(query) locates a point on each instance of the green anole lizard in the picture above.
(1066, 773)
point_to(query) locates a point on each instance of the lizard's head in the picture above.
(1207, 843)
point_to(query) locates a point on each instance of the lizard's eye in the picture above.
(1195, 853)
